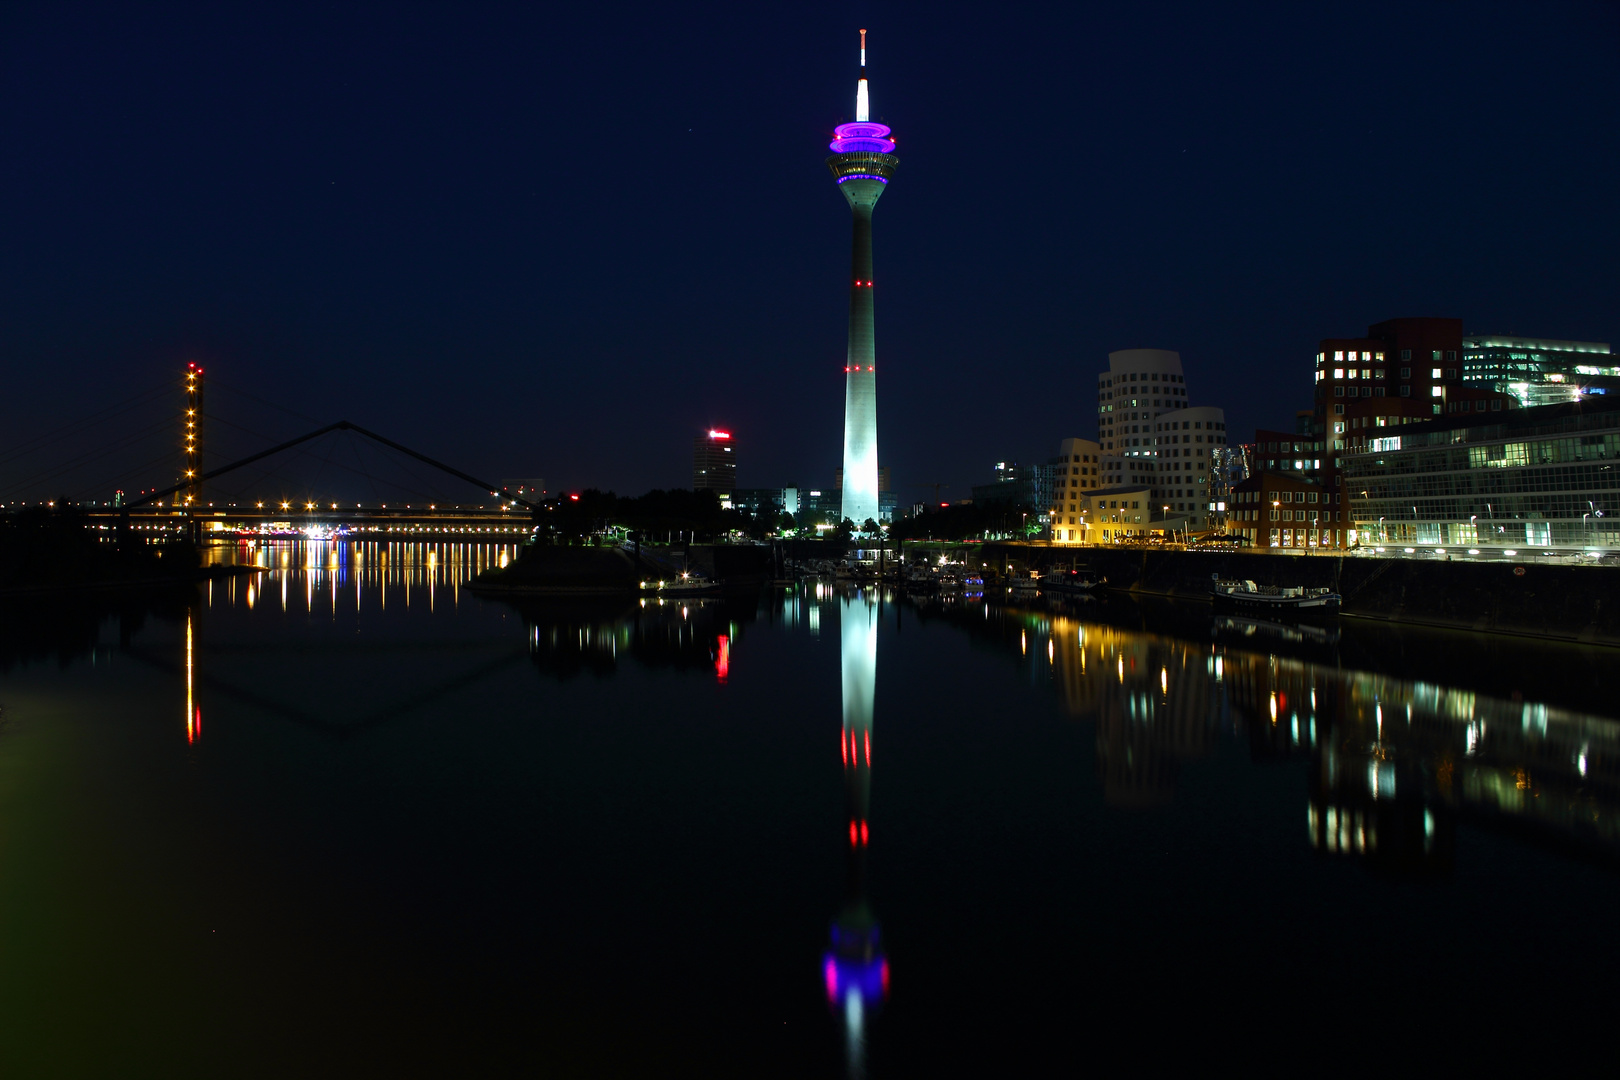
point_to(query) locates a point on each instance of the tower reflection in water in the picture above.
(855, 968)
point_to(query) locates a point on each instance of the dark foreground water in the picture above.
(351, 820)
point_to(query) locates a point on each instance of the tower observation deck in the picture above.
(862, 162)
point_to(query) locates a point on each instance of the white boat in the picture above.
(685, 585)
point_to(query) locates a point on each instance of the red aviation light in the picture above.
(863, 834)
(574, 498)
(854, 836)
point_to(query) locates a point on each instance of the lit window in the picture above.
(1338, 373)
(1434, 373)
(1352, 373)
(1366, 373)
(1338, 357)
(1436, 391)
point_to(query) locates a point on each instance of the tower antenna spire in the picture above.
(863, 109)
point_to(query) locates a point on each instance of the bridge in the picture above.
(510, 517)
(412, 509)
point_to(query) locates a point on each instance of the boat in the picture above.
(1249, 596)
(685, 585)
(1068, 581)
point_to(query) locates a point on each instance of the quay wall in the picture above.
(1573, 603)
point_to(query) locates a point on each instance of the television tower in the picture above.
(862, 162)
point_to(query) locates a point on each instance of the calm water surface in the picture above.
(349, 819)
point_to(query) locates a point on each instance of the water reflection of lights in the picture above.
(193, 712)
(1398, 761)
(373, 567)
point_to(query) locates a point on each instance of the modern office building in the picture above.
(714, 463)
(1404, 371)
(1138, 387)
(1016, 483)
(862, 163)
(1542, 477)
(1540, 371)
(1190, 477)
(1075, 470)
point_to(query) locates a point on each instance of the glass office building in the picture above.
(1539, 478)
(1540, 371)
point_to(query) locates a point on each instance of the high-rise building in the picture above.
(1138, 386)
(863, 161)
(714, 463)
(1189, 485)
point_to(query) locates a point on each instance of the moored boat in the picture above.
(1248, 595)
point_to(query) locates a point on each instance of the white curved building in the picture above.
(1139, 386)
(1188, 487)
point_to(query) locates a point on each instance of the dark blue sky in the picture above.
(561, 244)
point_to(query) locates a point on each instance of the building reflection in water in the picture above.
(1394, 765)
(855, 969)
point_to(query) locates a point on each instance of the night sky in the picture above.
(560, 240)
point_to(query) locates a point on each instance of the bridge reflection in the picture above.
(351, 573)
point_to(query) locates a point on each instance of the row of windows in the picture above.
(1343, 356)
(1292, 538)
(1572, 448)
(1135, 377)
(1197, 425)
(1158, 402)
(1587, 481)
(1502, 507)
(1282, 496)
(1290, 515)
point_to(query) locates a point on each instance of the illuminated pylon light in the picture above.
(191, 441)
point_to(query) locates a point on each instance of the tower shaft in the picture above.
(860, 494)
